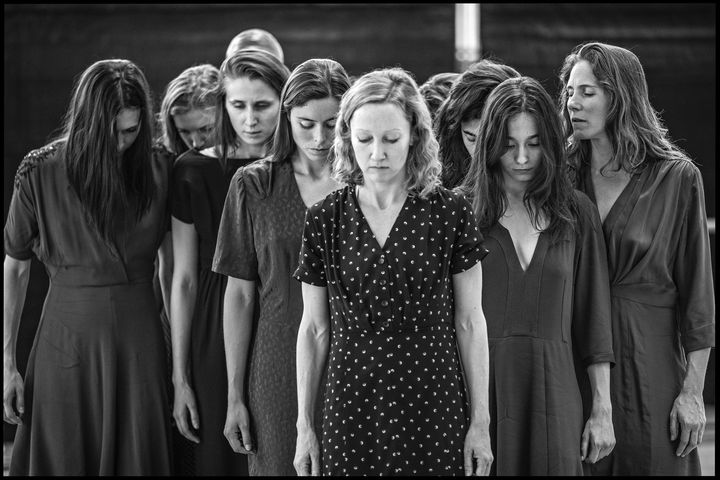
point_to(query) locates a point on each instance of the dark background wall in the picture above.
(47, 46)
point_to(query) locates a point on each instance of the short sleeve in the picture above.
(311, 266)
(693, 270)
(21, 228)
(235, 253)
(468, 249)
(592, 320)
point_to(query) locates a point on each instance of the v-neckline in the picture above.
(617, 206)
(291, 171)
(517, 262)
(353, 191)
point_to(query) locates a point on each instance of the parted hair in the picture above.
(196, 88)
(436, 89)
(255, 65)
(465, 102)
(110, 189)
(549, 195)
(633, 126)
(313, 79)
(394, 86)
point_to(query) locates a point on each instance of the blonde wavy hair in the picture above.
(394, 86)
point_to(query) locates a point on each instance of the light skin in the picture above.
(127, 126)
(195, 126)
(312, 126)
(381, 138)
(469, 130)
(588, 101)
(252, 106)
(519, 163)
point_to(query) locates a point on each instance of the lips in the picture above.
(577, 120)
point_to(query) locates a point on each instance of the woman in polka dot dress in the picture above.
(390, 271)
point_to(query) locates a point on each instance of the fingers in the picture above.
(684, 439)
(303, 466)
(194, 417)
(232, 434)
(701, 433)
(13, 396)
(692, 443)
(246, 439)
(673, 424)
(584, 444)
(468, 462)
(482, 464)
(315, 463)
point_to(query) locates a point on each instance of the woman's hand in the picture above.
(478, 451)
(13, 396)
(185, 405)
(307, 453)
(237, 428)
(598, 438)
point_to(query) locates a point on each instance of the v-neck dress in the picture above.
(541, 323)
(663, 306)
(199, 186)
(259, 239)
(96, 401)
(395, 399)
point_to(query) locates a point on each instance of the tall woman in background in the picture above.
(92, 207)
(548, 303)
(458, 117)
(652, 205)
(258, 246)
(248, 101)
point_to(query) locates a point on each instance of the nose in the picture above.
(320, 136)
(377, 152)
(197, 140)
(572, 102)
(121, 143)
(522, 156)
(251, 117)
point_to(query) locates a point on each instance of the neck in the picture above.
(381, 196)
(601, 153)
(247, 151)
(304, 166)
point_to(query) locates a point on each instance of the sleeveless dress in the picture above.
(199, 186)
(95, 387)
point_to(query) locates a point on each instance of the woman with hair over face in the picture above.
(258, 246)
(651, 201)
(247, 106)
(390, 271)
(548, 305)
(91, 206)
(457, 120)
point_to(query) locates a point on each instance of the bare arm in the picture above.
(16, 276)
(312, 349)
(165, 269)
(471, 331)
(182, 305)
(598, 438)
(238, 308)
(687, 417)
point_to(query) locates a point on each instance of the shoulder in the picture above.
(327, 207)
(587, 212)
(257, 177)
(35, 160)
(684, 171)
(451, 199)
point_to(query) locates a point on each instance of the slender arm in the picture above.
(687, 416)
(165, 269)
(598, 438)
(16, 276)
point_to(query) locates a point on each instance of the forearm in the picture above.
(237, 331)
(182, 307)
(599, 375)
(473, 346)
(694, 380)
(313, 345)
(16, 277)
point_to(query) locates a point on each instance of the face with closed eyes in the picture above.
(469, 130)
(253, 107)
(313, 128)
(522, 152)
(587, 103)
(195, 126)
(381, 139)
(127, 126)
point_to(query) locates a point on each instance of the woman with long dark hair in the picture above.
(92, 207)
(649, 195)
(548, 304)
(247, 103)
(258, 247)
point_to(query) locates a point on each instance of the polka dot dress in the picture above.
(395, 400)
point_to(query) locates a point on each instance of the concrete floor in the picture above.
(707, 449)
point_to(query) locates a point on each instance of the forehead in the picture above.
(522, 125)
(127, 118)
(245, 88)
(471, 124)
(582, 74)
(317, 109)
(379, 116)
(194, 117)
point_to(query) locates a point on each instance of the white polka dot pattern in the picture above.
(395, 399)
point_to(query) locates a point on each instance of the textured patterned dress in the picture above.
(199, 186)
(395, 399)
(96, 401)
(259, 239)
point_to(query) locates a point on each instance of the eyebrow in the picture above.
(307, 119)
(393, 130)
(531, 137)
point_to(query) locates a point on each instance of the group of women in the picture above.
(361, 284)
